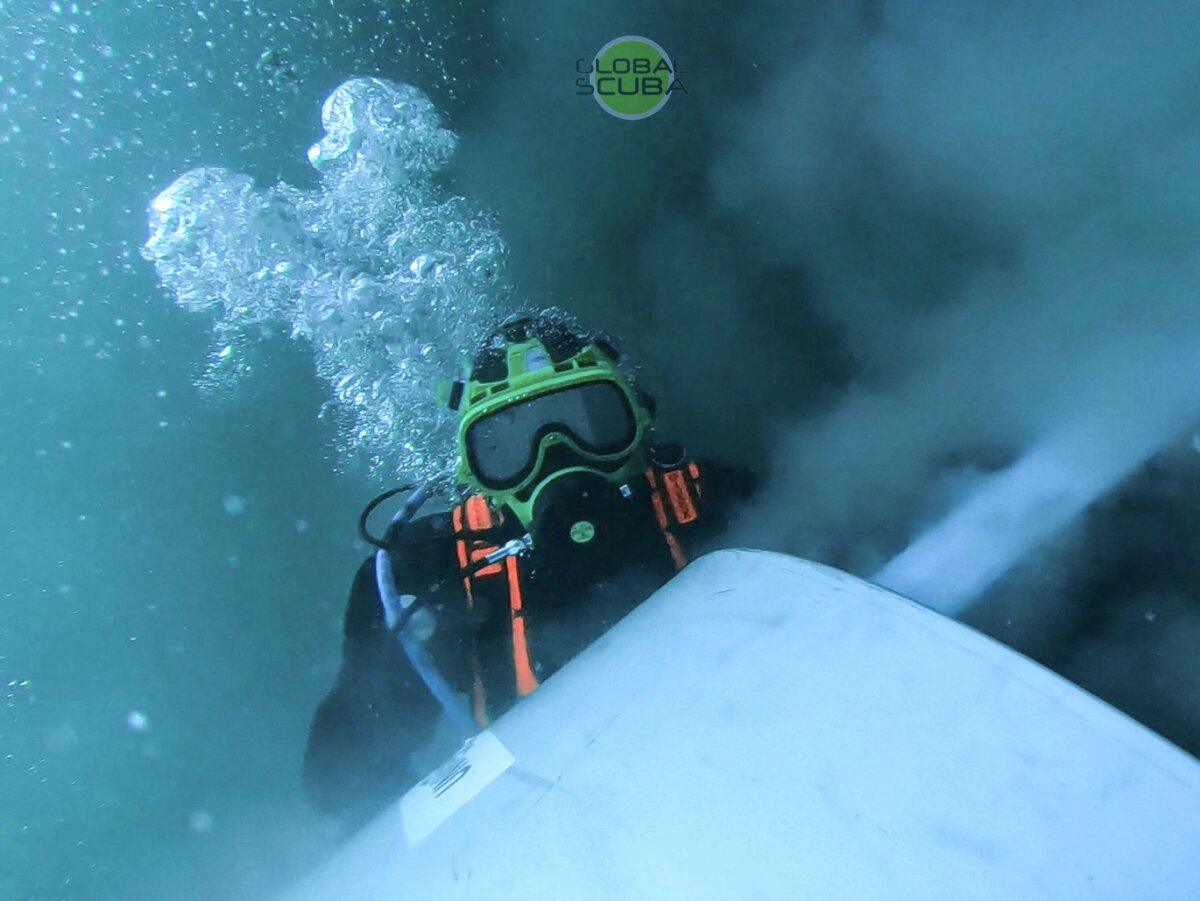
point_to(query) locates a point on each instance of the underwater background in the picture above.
(873, 253)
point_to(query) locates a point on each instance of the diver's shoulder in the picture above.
(722, 478)
(738, 482)
(428, 528)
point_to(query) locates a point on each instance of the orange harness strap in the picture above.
(479, 517)
(527, 682)
(678, 488)
(478, 695)
(681, 500)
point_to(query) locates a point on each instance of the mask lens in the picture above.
(502, 447)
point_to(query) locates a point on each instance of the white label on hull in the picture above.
(476, 765)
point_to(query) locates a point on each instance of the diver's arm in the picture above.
(728, 484)
(722, 487)
(377, 714)
(724, 492)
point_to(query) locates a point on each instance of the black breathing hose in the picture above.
(363, 533)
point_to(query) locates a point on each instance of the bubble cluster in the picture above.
(389, 278)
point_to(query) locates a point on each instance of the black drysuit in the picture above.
(379, 711)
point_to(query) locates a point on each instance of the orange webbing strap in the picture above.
(460, 547)
(527, 682)
(660, 513)
(478, 695)
(681, 501)
(479, 517)
(479, 514)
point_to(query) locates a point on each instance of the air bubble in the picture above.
(371, 268)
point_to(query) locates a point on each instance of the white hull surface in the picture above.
(768, 728)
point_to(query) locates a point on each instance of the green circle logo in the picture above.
(632, 77)
(583, 532)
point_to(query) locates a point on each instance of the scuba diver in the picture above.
(570, 516)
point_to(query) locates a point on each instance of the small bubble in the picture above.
(136, 721)
(234, 504)
(302, 525)
(200, 821)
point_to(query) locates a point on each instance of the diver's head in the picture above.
(543, 402)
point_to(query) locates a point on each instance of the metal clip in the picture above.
(515, 548)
